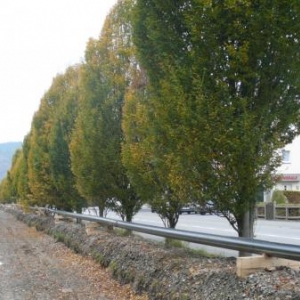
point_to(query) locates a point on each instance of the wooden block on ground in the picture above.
(252, 264)
(92, 228)
(58, 219)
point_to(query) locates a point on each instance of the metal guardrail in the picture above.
(240, 244)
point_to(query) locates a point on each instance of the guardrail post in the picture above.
(270, 211)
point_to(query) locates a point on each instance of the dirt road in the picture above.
(34, 267)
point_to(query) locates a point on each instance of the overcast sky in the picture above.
(38, 40)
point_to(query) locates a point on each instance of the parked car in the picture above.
(210, 207)
(193, 208)
(207, 208)
(189, 208)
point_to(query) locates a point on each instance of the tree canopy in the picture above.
(224, 78)
(178, 100)
(96, 141)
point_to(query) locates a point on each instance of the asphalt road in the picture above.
(279, 231)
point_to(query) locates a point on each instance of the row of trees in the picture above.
(177, 101)
(72, 155)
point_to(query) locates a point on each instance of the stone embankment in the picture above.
(167, 273)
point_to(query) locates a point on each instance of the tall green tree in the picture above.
(49, 173)
(39, 178)
(65, 88)
(22, 182)
(145, 160)
(226, 72)
(15, 175)
(8, 193)
(5, 190)
(96, 140)
(15, 186)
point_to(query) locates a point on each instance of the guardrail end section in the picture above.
(251, 264)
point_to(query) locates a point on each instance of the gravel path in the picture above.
(33, 266)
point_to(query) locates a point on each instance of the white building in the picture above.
(289, 171)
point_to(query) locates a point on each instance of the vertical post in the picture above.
(270, 211)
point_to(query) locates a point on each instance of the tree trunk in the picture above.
(246, 228)
(101, 212)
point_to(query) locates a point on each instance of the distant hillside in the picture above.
(7, 150)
